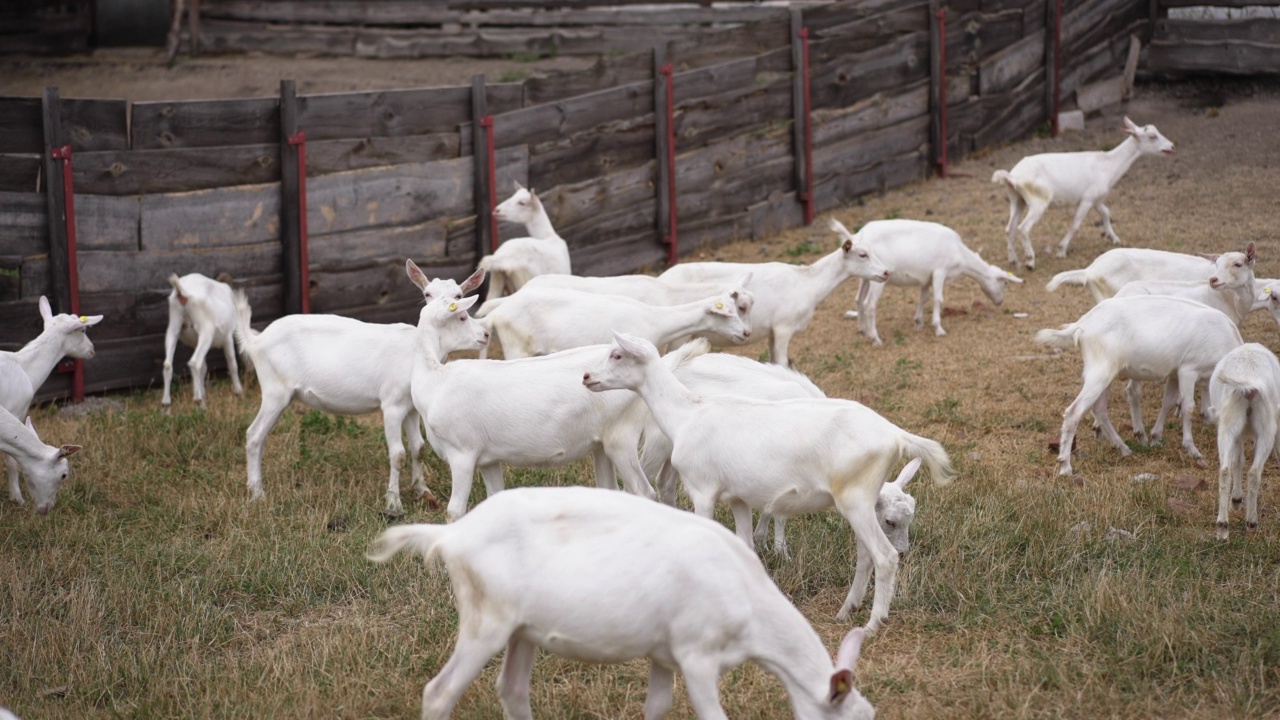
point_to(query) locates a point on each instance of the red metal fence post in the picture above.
(299, 139)
(807, 194)
(491, 161)
(942, 91)
(63, 153)
(672, 238)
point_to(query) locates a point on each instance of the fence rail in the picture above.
(206, 186)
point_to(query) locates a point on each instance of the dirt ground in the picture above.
(141, 74)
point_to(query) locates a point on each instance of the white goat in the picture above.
(63, 336)
(924, 255)
(606, 577)
(44, 466)
(748, 453)
(649, 289)
(1147, 338)
(1244, 393)
(540, 321)
(1268, 298)
(202, 313)
(1229, 287)
(1116, 268)
(528, 412)
(519, 259)
(1082, 179)
(787, 295)
(347, 367)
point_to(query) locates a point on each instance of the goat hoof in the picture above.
(1251, 527)
(166, 409)
(391, 513)
(1222, 531)
(432, 501)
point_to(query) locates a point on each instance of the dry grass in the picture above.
(156, 590)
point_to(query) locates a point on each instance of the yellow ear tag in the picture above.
(453, 307)
(1266, 291)
(1006, 272)
(719, 306)
(85, 318)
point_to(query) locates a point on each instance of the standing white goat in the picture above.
(787, 295)
(1147, 338)
(1082, 179)
(748, 453)
(924, 255)
(527, 412)
(1244, 393)
(1229, 287)
(519, 259)
(63, 336)
(606, 577)
(1118, 267)
(202, 313)
(44, 466)
(347, 367)
(540, 321)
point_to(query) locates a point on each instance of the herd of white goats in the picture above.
(560, 568)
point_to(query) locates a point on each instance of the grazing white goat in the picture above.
(1244, 393)
(1268, 298)
(1148, 338)
(651, 290)
(347, 367)
(750, 454)
(1116, 268)
(44, 466)
(63, 336)
(202, 313)
(528, 412)
(1082, 179)
(519, 259)
(1229, 287)
(787, 295)
(605, 577)
(924, 255)
(540, 321)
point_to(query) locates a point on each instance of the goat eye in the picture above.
(64, 476)
(862, 255)
(615, 356)
(891, 523)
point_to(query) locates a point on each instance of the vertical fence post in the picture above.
(664, 133)
(938, 84)
(802, 114)
(1052, 61)
(292, 205)
(485, 191)
(60, 202)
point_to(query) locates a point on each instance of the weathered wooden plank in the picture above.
(1105, 58)
(972, 36)
(204, 123)
(1013, 116)
(330, 156)
(1101, 94)
(871, 29)
(607, 72)
(827, 19)
(24, 223)
(509, 4)
(620, 257)
(19, 173)
(20, 322)
(1236, 58)
(1009, 67)
(234, 36)
(858, 153)
(1218, 3)
(757, 106)
(880, 110)
(496, 41)
(213, 218)
(569, 206)
(775, 215)
(23, 129)
(132, 271)
(332, 12)
(105, 222)
(713, 46)
(558, 119)
(138, 172)
(397, 113)
(633, 223)
(34, 279)
(589, 154)
(359, 248)
(841, 79)
(891, 172)
(1262, 30)
(375, 283)
(96, 124)
(693, 86)
(10, 278)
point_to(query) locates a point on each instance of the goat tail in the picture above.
(245, 335)
(1066, 337)
(420, 538)
(1002, 176)
(1070, 277)
(489, 306)
(687, 352)
(497, 277)
(931, 453)
(176, 282)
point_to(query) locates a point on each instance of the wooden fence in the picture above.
(1228, 38)
(211, 186)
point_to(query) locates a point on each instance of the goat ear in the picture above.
(91, 320)
(31, 426)
(838, 227)
(67, 450)
(841, 686)
(1010, 277)
(519, 187)
(465, 303)
(1130, 127)
(629, 344)
(474, 281)
(1211, 257)
(847, 246)
(46, 313)
(415, 274)
(850, 647)
(745, 279)
(1251, 252)
(907, 473)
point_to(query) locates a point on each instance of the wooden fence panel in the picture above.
(204, 123)
(840, 79)
(1248, 46)
(396, 113)
(210, 219)
(142, 172)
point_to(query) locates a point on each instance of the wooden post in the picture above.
(55, 198)
(801, 123)
(290, 209)
(1052, 41)
(937, 85)
(481, 146)
(660, 133)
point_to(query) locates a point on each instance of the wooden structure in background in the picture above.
(201, 186)
(1244, 45)
(42, 27)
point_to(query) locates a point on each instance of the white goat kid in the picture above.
(1082, 179)
(1244, 393)
(63, 336)
(606, 577)
(651, 290)
(1118, 267)
(924, 255)
(202, 313)
(531, 412)
(1229, 287)
(44, 466)
(347, 367)
(541, 321)
(747, 452)
(519, 259)
(1148, 338)
(787, 295)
